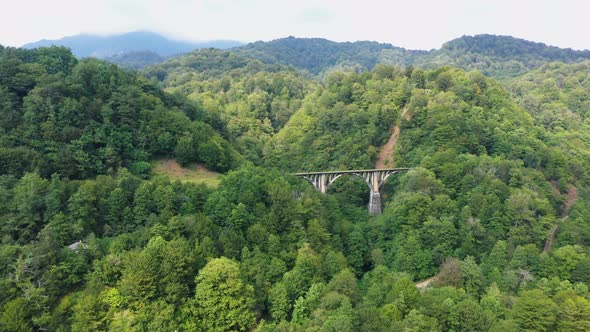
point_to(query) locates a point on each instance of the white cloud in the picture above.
(413, 24)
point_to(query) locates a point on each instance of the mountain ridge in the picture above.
(495, 55)
(499, 56)
(84, 45)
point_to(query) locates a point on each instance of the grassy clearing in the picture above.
(194, 172)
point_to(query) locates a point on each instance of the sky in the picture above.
(413, 24)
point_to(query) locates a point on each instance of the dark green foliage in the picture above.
(85, 118)
(90, 241)
(497, 56)
(316, 54)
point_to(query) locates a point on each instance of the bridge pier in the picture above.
(375, 203)
(374, 178)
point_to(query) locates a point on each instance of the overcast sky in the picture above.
(414, 24)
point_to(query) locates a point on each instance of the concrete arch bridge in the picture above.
(374, 178)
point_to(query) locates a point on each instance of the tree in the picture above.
(222, 300)
(451, 273)
(358, 250)
(306, 271)
(574, 315)
(417, 322)
(534, 311)
(472, 277)
(185, 150)
(305, 305)
(471, 316)
(29, 196)
(15, 316)
(345, 283)
(140, 277)
(88, 313)
(279, 302)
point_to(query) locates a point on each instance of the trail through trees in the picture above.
(386, 154)
(572, 196)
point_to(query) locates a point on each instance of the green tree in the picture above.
(534, 311)
(222, 300)
(15, 316)
(279, 302)
(574, 315)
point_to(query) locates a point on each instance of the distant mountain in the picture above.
(135, 59)
(85, 45)
(496, 56)
(502, 57)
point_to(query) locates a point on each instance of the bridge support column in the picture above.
(323, 183)
(375, 196)
(375, 203)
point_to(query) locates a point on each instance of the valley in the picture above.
(176, 182)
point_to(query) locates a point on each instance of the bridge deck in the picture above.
(353, 171)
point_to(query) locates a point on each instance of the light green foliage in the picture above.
(86, 244)
(15, 316)
(222, 300)
(417, 322)
(574, 315)
(534, 311)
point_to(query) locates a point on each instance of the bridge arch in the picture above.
(374, 178)
(353, 176)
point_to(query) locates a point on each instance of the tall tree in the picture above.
(223, 301)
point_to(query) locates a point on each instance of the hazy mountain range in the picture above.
(497, 56)
(85, 45)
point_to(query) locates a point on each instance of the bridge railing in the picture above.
(352, 171)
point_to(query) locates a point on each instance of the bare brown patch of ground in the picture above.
(571, 198)
(194, 172)
(426, 282)
(387, 151)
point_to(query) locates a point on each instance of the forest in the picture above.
(488, 231)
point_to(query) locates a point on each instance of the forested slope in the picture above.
(317, 54)
(89, 241)
(82, 118)
(254, 100)
(558, 96)
(501, 57)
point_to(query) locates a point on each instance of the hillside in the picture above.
(501, 57)
(317, 54)
(557, 94)
(496, 56)
(253, 99)
(93, 238)
(83, 118)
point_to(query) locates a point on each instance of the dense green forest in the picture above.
(488, 232)
(501, 57)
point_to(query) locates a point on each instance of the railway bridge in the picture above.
(374, 178)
